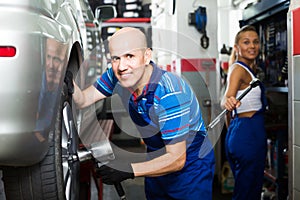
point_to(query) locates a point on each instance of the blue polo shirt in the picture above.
(166, 108)
(168, 112)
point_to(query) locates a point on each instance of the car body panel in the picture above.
(29, 89)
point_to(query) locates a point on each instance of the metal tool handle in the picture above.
(255, 82)
(120, 191)
(102, 153)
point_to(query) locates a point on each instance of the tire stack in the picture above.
(95, 3)
(129, 8)
(146, 10)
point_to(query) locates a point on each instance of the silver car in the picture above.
(41, 49)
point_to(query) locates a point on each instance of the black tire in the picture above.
(57, 175)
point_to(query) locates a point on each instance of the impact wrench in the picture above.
(102, 153)
(254, 83)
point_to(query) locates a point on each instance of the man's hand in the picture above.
(69, 82)
(111, 175)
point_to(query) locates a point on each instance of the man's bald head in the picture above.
(127, 39)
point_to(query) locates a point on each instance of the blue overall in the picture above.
(246, 147)
(195, 180)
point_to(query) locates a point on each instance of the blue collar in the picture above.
(153, 82)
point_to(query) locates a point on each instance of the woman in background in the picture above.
(245, 142)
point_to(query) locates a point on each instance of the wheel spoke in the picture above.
(69, 153)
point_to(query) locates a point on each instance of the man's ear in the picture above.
(148, 56)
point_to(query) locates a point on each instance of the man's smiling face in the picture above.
(129, 57)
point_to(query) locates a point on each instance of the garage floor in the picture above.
(134, 189)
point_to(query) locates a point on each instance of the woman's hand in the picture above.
(231, 103)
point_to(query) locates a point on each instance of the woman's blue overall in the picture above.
(246, 148)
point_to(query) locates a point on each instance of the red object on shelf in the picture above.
(296, 32)
(169, 68)
(225, 65)
(128, 20)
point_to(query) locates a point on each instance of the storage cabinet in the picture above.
(276, 172)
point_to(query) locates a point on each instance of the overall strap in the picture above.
(263, 96)
(247, 68)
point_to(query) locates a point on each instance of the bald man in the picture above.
(167, 115)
